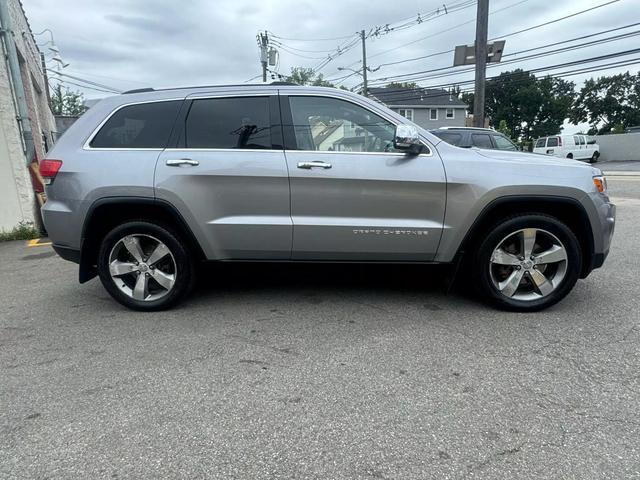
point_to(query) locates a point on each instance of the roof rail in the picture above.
(139, 90)
(284, 83)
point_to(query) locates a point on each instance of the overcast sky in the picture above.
(128, 44)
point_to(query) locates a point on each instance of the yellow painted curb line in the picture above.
(38, 242)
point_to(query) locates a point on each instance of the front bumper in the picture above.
(607, 224)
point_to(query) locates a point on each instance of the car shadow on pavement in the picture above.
(247, 277)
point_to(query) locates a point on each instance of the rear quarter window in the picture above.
(481, 140)
(449, 137)
(144, 125)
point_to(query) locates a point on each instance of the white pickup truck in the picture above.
(578, 147)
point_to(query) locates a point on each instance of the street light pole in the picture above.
(482, 25)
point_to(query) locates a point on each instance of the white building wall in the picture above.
(17, 200)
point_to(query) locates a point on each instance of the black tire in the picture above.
(594, 157)
(570, 156)
(501, 230)
(184, 265)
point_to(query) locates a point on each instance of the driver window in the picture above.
(328, 124)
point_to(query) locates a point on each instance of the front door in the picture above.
(227, 176)
(353, 197)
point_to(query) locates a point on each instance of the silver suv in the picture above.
(147, 184)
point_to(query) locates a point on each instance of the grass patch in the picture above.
(23, 231)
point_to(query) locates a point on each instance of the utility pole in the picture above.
(363, 37)
(482, 25)
(263, 43)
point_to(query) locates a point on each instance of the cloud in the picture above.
(129, 44)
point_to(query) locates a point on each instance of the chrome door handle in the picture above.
(177, 162)
(316, 164)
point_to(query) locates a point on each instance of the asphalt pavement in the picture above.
(320, 372)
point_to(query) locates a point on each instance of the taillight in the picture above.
(559, 141)
(49, 170)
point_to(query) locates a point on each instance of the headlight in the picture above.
(600, 182)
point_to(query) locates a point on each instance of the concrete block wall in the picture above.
(619, 147)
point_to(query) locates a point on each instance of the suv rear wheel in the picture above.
(528, 262)
(145, 266)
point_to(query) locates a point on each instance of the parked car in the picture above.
(147, 184)
(576, 147)
(468, 137)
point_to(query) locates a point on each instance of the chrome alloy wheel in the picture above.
(528, 264)
(142, 267)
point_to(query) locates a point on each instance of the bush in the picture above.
(23, 231)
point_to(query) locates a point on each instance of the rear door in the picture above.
(587, 150)
(553, 146)
(226, 173)
(353, 196)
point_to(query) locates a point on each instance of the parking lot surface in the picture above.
(320, 372)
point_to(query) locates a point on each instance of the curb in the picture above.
(621, 174)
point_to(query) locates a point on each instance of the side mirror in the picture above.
(406, 138)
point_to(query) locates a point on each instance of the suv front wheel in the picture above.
(145, 266)
(528, 262)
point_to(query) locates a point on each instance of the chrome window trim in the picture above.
(384, 115)
(196, 96)
(174, 149)
(334, 152)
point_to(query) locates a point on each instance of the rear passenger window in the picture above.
(146, 125)
(552, 142)
(481, 140)
(240, 122)
(452, 138)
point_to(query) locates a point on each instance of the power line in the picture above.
(89, 82)
(400, 94)
(533, 27)
(515, 53)
(67, 82)
(449, 71)
(447, 30)
(556, 20)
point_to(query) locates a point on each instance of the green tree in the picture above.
(531, 107)
(306, 76)
(504, 128)
(608, 101)
(618, 128)
(467, 97)
(66, 102)
(400, 85)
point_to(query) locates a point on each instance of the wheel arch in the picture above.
(567, 210)
(106, 213)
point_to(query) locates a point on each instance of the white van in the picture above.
(578, 147)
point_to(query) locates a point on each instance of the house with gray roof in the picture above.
(429, 108)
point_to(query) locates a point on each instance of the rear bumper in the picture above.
(70, 254)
